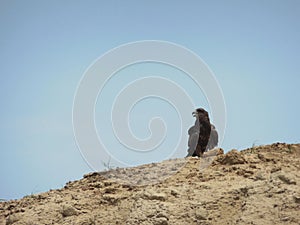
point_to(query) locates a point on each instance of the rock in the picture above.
(13, 218)
(109, 190)
(279, 190)
(232, 158)
(285, 219)
(286, 178)
(260, 176)
(213, 152)
(85, 220)
(160, 221)
(108, 183)
(152, 195)
(201, 214)
(97, 185)
(111, 198)
(162, 214)
(266, 158)
(261, 157)
(296, 199)
(92, 174)
(275, 169)
(68, 210)
(175, 193)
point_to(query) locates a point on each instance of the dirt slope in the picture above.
(255, 186)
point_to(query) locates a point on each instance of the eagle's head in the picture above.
(200, 112)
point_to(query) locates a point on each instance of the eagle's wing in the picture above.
(216, 138)
(192, 130)
(192, 143)
(213, 139)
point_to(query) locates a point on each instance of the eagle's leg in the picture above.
(198, 152)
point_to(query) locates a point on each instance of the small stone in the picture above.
(261, 157)
(111, 198)
(269, 195)
(236, 197)
(286, 179)
(285, 219)
(13, 218)
(98, 185)
(231, 158)
(68, 210)
(11, 206)
(162, 214)
(279, 190)
(213, 152)
(107, 183)
(151, 195)
(109, 190)
(297, 199)
(160, 221)
(201, 214)
(174, 193)
(275, 169)
(92, 174)
(85, 220)
(260, 176)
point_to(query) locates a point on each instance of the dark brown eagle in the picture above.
(203, 135)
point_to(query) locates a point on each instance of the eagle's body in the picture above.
(200, 138)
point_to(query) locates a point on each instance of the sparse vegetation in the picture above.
(107, 165)
(253, 146)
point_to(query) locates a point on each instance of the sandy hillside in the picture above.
(259, 185)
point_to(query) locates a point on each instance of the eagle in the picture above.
(203, 135)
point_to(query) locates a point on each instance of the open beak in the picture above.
(194, 114)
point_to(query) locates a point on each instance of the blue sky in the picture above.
(251, 46)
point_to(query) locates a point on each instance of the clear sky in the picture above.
(45, 47)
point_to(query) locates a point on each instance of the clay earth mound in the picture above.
(259, 185)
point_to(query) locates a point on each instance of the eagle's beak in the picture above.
(194, 114)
